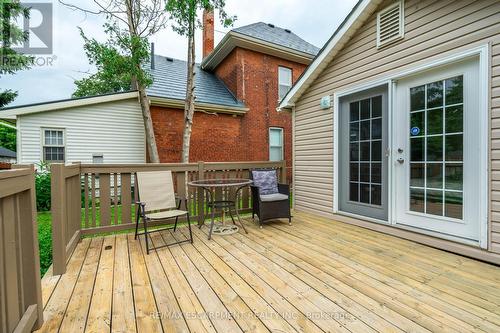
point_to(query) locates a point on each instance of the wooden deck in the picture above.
(317, 275)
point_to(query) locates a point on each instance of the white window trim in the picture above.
(282, 142)
(279, 81)
(401, 33)
(483, 52)
(42, 142)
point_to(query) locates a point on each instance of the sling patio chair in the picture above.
(157, 203)
(270, 200)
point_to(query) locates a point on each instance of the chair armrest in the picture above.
(284, 189)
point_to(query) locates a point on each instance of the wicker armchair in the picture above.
(270, 200)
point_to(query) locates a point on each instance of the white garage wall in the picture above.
(114, 129)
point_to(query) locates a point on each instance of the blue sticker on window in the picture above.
(415, 131)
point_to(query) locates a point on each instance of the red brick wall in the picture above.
(214, 138)
(253, 78)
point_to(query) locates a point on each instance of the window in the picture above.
(97, 159)
(53, 145)
(284, 81)
(390, 24)
(275, 144)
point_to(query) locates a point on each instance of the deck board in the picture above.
(317, 275)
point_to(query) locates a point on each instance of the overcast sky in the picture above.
(313, 20)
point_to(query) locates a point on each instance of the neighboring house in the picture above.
(91, 130)
(7, 156)
(405, 146)
(238, 87)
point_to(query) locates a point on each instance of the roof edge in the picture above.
(235, 39)
(326, 53)
(199, 106)
(9, 113)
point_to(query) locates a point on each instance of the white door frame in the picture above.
(483, 53)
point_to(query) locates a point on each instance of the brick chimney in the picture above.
(208, 32)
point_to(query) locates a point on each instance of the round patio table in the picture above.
(210, 186)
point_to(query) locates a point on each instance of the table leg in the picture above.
(236, 209)
(212, 209)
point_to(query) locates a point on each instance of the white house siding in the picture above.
(114, 129)
(433, 28)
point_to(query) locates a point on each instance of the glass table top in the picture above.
(220, 182)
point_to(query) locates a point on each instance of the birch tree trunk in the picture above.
(143, 98)
(190, 96)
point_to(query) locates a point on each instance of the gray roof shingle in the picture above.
(4, 152)
(278, 36)
(170, 77)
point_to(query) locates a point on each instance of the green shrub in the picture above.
(42, 185)
(45, 240)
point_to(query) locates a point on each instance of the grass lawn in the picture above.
(45, 240)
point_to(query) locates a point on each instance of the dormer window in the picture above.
(284, 81)
(390, 24)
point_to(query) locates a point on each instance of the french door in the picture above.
(363, 158)
(436, 151)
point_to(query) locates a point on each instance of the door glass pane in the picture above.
(454, 90)
(376, 195)
(434, 94)
(454, 147)
(454, 119)
(454, 205)
(354, 111)
(435, 148)
(365, 109)
(354, 172)
(454, 176)
(435, 121)
(417, 149)
(364, 172)
(353, 192)
(417, 123)
(365, 151)
(434, 202)
(364, 130)
(376, 173)
(417, 174)
(364, 193)
(436, 180)
(417, 200)
(417, 98)
(435, 175)
(377, 129)
(354, 131)
(377, 151)
(377, 106)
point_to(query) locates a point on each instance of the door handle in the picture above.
(400, 160)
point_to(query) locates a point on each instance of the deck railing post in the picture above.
(33, 268)
(283, 172)
(201, 194)
(58, 209)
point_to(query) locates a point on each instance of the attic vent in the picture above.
(390, 24)
(271, 25)
(170, 59)
(288, 30)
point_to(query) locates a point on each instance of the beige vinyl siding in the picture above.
(433, 29)
(495, 147)
(114, 129)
